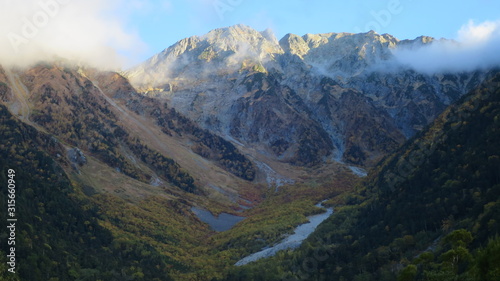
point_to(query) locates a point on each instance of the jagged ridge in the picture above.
(218, 80)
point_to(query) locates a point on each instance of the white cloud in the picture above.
(480, 33)
(88, 31)
(477, 47)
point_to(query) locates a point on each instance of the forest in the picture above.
(429, 211)
(59, 236)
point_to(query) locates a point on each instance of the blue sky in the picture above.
(121, 33)
(160, 23)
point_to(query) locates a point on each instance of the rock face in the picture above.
(303, 100)
(77, 157)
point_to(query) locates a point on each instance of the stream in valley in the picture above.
(291, 242)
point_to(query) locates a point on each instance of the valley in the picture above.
(237, 156)
(292, 241)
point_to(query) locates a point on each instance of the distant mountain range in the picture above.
(302, 100)
(110, 165)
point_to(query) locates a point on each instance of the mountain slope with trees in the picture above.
(426, 212)
(109, 174)
(58, 233)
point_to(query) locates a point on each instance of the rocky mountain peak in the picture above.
(295, 45)
(424, 39)
(247, 86)
(238, 47)
(235, 33)
(347, 53)
(316, 40)
(269, 35)
(220, 50)
(417, 42)
(243, 42)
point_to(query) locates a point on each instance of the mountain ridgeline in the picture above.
(346, 92)
(110, 166)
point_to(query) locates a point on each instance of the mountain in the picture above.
(116, 173)
(88, 149)
(58, 233)
(82, 109)
(427, 212)
(301, 100)
(105, 170)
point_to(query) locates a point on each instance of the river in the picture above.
(293, 241)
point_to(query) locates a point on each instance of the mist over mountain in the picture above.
(119, 171)
(477, 48)
(226, 80)
(86, 32)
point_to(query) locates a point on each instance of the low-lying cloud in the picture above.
(90, 32)
(476, 47)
